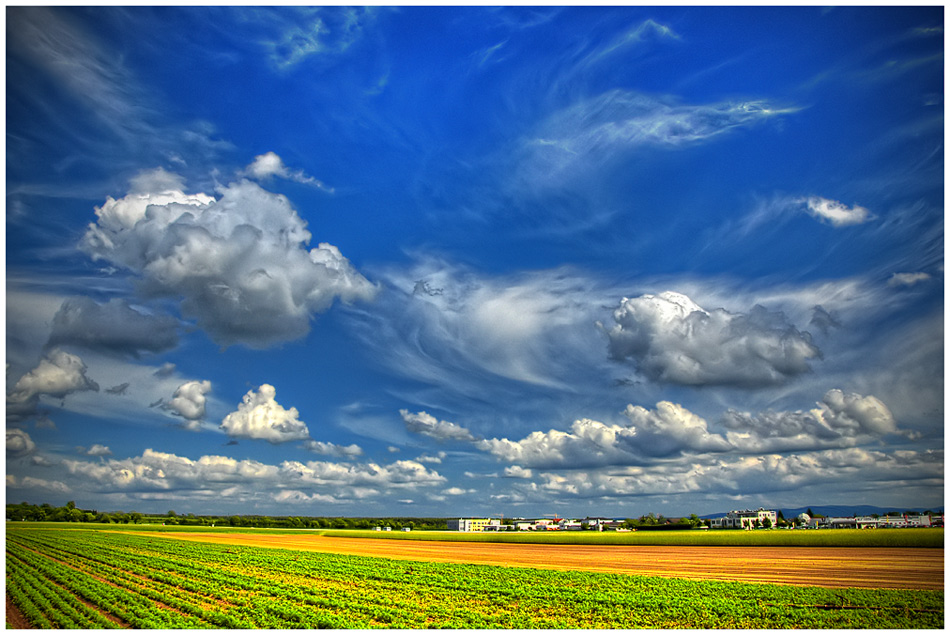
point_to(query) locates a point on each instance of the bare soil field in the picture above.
(872, 567)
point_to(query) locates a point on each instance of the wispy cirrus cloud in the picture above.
(595, 130)
(301, 34)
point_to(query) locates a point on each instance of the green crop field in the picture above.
(81, 578)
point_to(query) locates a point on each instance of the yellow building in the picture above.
(471, 524)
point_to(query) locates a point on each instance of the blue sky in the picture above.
(467, 261)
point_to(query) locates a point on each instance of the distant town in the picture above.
(749, 519)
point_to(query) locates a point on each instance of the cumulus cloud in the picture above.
(97, 449)
(268, 165)
(259, 416)
(669, 430)
(672, 339)
(189, 400)
(425, 424)
(114, 327)
(852, 469)
(19, 444)
(398, 475)
(239, 263)
(332, 449)
(516, 471)
(58, 374)
(835, 213)
(165, 471)
(839, 420)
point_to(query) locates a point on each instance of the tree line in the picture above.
(71, 514)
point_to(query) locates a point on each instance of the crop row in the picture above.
(166, 583)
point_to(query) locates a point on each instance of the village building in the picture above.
(746, 519)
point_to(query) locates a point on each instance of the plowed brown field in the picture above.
(872, 567)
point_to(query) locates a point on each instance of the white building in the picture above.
(870, 522)
(746, 519)
(473, 524)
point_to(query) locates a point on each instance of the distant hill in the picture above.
(855, 510)
(843, 510)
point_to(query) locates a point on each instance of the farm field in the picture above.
(832, 567)
(77, 578)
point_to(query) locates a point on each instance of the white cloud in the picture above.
(847, 470)
(30, 482)
(259, 416)
(841, 420)
(398, 475)
(835, 213)
(672, 339)
(590, 132)
(309, 34)
(516, 471)
(437, 459)
(165, 472)
(238, 263)
(669, 430)
(57, 375)
(98, 449)
(425, 424)
(907, 279)
(270, 165)
(448, 326)
(332, 449)
(189, 400)
(19, 444)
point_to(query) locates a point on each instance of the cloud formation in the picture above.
(238, 263)
(840, 420)
(332, 449)
(259, 416)
(19, 444)
(599, 128)
(189, 400)
(835, 213)
(58, 374)
(268, 165)
(667, 431)
(113, 327)
(210, 477)
(672, 339)
(425, 424)
(907, 279)
(852, 469)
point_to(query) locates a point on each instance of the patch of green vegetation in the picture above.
(199, 585)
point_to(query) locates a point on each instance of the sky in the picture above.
(470, 261)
